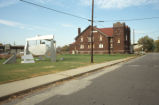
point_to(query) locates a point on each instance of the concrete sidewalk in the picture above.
(16, 87)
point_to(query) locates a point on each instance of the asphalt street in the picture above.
(133, 83)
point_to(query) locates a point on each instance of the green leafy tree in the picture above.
(58, 49)
(157, 45)
(147, 43)
(65, 48)
(62, 50)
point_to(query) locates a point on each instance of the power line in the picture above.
(135, 19)
(66, 13)
(97, 23)
(55, 10)
(154, 32)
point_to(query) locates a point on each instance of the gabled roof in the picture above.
(82, 32)
(106, 31)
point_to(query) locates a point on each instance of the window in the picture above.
(111, 39)
(89, 39)
(111, 45)
(81, 39)
(81, 46)
(100, 45)
(118, 40)
(93, 46)
(100, 38)
(89, 46)
(126, 37)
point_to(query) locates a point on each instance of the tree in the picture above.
(147, 43)
(58, 49)
(64, 49)
(157, 45)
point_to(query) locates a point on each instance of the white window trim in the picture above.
(111, 45)
(118, 40)
(81, 46)
(126, 37)
(89, 46)
(81, 39)
(89, 39)
(100, 45)
(111, 39)
(100, 38)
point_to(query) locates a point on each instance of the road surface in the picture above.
(133, 83)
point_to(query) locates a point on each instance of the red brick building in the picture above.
(106, 40)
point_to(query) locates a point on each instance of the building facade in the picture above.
(10, 49)
(105, 40)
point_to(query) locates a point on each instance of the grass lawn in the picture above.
(17, 71)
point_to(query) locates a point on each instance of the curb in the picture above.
(3, 98)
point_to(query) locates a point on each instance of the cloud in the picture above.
(23, 26)
(139, 32)
(119, 3)
(9, 23)
(5, 3)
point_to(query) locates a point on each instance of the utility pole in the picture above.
(133, 36)
(109, 45)
(133, 39)
(92, 32)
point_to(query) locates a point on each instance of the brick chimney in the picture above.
(79, 31)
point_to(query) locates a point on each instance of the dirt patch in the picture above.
(44, 73)
(19, 71)
(74, 62)
(48, 67)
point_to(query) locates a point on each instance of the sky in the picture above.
(19, 20)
